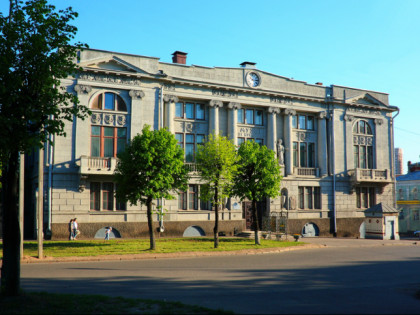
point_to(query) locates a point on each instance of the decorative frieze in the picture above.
(108, 119)
(109, 79)
(305, 136)
(281, 100)
(248, 132)
(363, 111)
(216, 103)
(82, 89)
(363, 140)
(225, 93)
(191, 127)
(136, 94)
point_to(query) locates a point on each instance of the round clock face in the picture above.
(252, 79)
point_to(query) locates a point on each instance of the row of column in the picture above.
(271, 137)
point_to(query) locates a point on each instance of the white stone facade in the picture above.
(322, 182)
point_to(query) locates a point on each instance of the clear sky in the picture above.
(367, 44)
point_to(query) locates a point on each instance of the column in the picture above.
(233, 121)
(288, 140)
(348, 127)
(272, 128)
(214, 116)
(170, 101)
(322, 144)
(81, 126)
(381, 145)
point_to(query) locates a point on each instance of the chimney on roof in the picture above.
(179, 57)
(318, 83)
(248, 64)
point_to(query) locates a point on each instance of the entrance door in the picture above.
(390, 233)
(247, 213)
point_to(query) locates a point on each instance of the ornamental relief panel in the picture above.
(249, 132)
(305, 136)
(362, 112)
(109, 79)
(109, 119)
(363, 140)
(191, 127)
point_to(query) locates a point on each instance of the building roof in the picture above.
(409, 176)
(381, 208)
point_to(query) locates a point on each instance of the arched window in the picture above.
(109, 101)
(363, 145)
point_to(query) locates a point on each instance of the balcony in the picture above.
(306, 171)
(97, 165)
(361, 175)
(191, 167)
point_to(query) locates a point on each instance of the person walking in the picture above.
(71, 237)
(107, 233)
(75, 228)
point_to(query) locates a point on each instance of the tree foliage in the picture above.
(151, 167)
(216, 163)
(258, 177)
(35, 54)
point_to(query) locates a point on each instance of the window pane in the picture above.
(182, 200)
(189, 110)
(94, 196)
(107, 196)
(294, 122)
(308, 197)
(199, 111)
(310, 123)
(301, 198)
(121, 104)
(108, 132)
(96, 131)
(95, 146)
(250, 116)
(200, 139)
(370, 157)
(364, 197)
(358, 198)
(189, 138)
(356, 156)
(179, 110)
(311, 154)
(108, 147)
(122, 133)
(368, 129)
(241, 116)
(120, 145)
(259, 141)
(97, 102)
(362, 128)
(180, 139)
(363, 157)
(189, 152)
(258, 117)
(193, 198)
(302, 122)
(303, 154)
(371, 196)
(317, 196)
(109, 101)
(241, 140)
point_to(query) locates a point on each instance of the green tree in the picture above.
(151, 166)
(258, 177)
(35, 53)
(216, 163)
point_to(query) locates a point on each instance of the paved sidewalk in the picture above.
(355, 242)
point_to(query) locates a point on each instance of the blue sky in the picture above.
(368, 44)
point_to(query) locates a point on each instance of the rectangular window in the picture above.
(310, 123)
(180, 138)
(95, 191)
(356, 156)
(258, 117)
(107, 141)
(200, 139)
(294, 122)
(259, 141)
(365, 197)
(199, 111)
(95, 141)
(240, 140)
(121, 139)
(416, 215)
(179, 110)
(241, 116)
(249, 116)
(309, 197)
(311, 154)
(302, 154)
(182, 200)
(302, 122)
(295, 154)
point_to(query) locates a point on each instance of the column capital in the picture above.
(82, 89)
(378, 121)
(289, 112)
(234, 105)
(136, 94)
(170, 98)
(322, 115)
(216, 103)
(348, 117)
(274, 110)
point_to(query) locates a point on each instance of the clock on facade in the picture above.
(253, 79)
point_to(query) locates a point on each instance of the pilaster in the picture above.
(288, 140)
(214, 116)
(170, 101)
(233, 121)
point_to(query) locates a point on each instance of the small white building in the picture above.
(382, 222)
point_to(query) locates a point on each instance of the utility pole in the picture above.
(41, 203)
(21, 198)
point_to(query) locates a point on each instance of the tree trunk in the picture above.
(216, 219)
(256, 225)
(10, 271)
(150, 224)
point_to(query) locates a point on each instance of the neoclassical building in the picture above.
(335, 145)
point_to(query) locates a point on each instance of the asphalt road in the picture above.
(376, 279)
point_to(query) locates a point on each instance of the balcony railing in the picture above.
(191, 167)
(361, 175)
(97, 165)
(306, 171)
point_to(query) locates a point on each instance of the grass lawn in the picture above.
(137, 246)
(48, 303)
